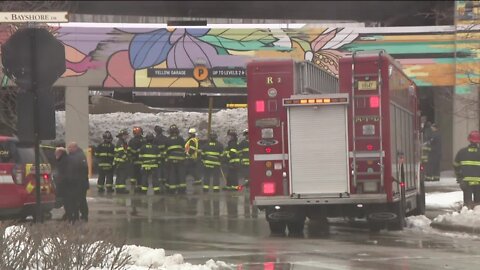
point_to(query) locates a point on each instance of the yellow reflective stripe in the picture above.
(156, 189)
(120, 186)
(175, 158)
(470, 163)
(209, 162)
(206, 187)
(174, 147)
(148, 156)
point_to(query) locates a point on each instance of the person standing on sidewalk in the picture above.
(104, 153)
(121, 162)
(467, 170)
(77, 183)
(432, 172)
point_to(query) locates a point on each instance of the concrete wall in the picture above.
(76, 116)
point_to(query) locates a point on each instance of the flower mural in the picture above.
(121, 57)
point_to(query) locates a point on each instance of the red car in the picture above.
(17, 180)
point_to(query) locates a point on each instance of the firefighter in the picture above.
(244, 154)
(148, 155)
(175, 157)
(211, 153)
(232, 159)
(467, 170)
(432, 172)
(121, 162)
(426, 131)
(160, 141)
(104, 153)
(191, 152)
(134, 146)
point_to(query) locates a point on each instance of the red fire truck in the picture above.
(322, 146)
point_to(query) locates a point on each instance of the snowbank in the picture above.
(447, 200)
(422, 224)
(114, 122)
(465, 220)
(142, 258)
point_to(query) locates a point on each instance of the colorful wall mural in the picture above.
(111, 56)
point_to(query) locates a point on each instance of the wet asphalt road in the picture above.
(226, 227)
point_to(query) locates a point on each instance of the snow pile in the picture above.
(418, 222)
(114, 122)
(466, 218)
(141, 258)
(447, 200)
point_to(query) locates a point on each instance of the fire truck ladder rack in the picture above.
(312, 79)
(354, 138)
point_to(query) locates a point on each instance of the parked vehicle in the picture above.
(17, 180)
(322, 146)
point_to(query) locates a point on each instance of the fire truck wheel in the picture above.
(277, 228)
(295, 228)
(398, 223)
(375, 227)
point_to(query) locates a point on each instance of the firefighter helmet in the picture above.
(137, 131)
(192, 131)
(158, 129)
(474, 136)
(150, 137)
(245, 132)
(107, 136)
(122, 133)
(173, 129)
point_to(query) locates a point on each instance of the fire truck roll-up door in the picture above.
(318, 139)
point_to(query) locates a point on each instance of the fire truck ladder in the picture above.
(354, 138)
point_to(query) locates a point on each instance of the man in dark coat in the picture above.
(60, 177)
(77, 183)
(432, 172)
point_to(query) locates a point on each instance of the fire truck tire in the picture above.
(277, 228)
(420, 210)
(399, 222)
(295, 228)
(375, 227)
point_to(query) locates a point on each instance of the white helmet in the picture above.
(192, 131)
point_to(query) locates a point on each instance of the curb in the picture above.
(455, 228)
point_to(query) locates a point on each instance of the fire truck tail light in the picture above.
(374, 102)
(268, 164)
(268, 188)
(268, 150)
(421, 167)
(260, 106)
(369, 147)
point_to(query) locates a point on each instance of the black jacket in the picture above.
(467, 163)
(77, 170)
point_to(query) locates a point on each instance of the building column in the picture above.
(465, 118)
(76, 116)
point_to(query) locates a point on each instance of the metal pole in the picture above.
(210, 107)
(36, 130)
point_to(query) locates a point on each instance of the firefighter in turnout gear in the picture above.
(121, 162)
(244, 154)
(191, 152)
(134, 146)
(104, 153)
(426, 132)
(467, 170)
(233, 160)
(160, 141)
(148, 155)
(175, 157)
(432, 170)
(211, 153)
